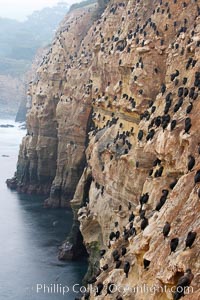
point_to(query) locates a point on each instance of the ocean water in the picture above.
(30, 236)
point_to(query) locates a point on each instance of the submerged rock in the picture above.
(12, 183)
(66, 251)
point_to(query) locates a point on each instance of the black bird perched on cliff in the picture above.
(184, 80)
(163, 88)
(183, 282)
(189, 108)
(144, 223)
(150, 103)
(197, 177)
(118, 264)
(144, 199)
(116, 257)
(117, 235)
(176, 107)
(186, 92)
(146, 263)
(192, 92)
(165, 121)
(140, 135)
(129, 206)
(166, 229)
(102, 252)
(188, 125)
(105, 267)
(112, 236)
(126, 268)
(150, 172)
(180, 102)
(132, 231)
(168, 97)
(173, 124)
(161, 203)
(123, 251)
(150, 135)
(156, 162)
(172, 185)
(191, 162)
(99, 288)
(174, 244)
(126, 235)
(174, 75)
(159, 172)
(167, 107)
(132, 129)
(190, 239)
(131, 217)
(180, 92)
(115, 252)
(131, 225)
(142, 213)
(158, 121)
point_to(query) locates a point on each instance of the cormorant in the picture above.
(126, 268)
(191, 162)
(183, 282)
(144, 223)
(174, 244)
(190, 239)
(166, 229)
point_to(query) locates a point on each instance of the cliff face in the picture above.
(25, 101)
(127, 87)
(53, 149)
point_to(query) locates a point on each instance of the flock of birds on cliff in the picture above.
(186, 93)
(118, 254)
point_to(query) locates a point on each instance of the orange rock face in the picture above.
(115, 115)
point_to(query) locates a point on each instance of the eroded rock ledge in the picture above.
(107, 125)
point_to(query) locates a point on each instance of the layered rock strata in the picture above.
(114, 124)
(52, 154)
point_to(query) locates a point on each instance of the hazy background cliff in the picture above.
(19, 44)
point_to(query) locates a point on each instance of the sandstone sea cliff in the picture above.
(112, 127)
